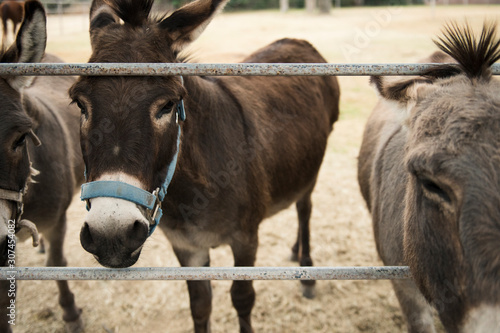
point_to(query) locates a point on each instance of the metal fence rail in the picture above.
(158, 69)
(206, 273)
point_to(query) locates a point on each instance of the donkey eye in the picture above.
(167, 108)
(434, 189)
(82, 108)
(19, 142)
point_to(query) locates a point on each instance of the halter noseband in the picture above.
(120, 190)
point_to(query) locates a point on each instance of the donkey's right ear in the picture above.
(30, 42)
(101, 15)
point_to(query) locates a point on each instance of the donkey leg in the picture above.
(41, 246)
(14, 28)
(71, 313)
(4, 33)
(416, 310)
(295, 248)
(242, 292)
(304, 208)
(200, 292)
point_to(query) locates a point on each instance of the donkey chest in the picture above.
(192, 238)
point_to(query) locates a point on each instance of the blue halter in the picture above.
(151, 201)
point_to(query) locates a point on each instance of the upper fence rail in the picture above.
(238, 69)
(206, 273)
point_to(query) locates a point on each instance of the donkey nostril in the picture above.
(87, 240)
(137, 235)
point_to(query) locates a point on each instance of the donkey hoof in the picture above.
(205, 328)
(294, 257)
(41, 246)
(75, 326)
(308, 291)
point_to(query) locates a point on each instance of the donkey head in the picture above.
(452, 216)
(15, 123)
(129, 129)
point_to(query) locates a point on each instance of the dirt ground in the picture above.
(341, 226)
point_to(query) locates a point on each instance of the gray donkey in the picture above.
(41, 181)
(429, 170)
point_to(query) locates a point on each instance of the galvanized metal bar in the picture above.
(206, 273)
(152, 69)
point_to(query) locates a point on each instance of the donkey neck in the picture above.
(58, 159)
(214, 129)
(210, 109)
(35, 107)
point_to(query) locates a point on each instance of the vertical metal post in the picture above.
(60, 15)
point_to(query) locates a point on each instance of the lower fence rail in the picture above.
(206, 273)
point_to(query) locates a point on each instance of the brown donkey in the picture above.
(34, 109)
(429, 170)
(250, 146)
(11, 10)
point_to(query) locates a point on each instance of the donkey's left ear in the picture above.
(399, 89)
(188, 22)
(30, 42)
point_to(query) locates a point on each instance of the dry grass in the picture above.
(342, 234)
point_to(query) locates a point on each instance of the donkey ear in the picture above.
(101, 15)
(403, 89)
(399, 89)
(30, 42)
(32, 36)
(402, 93)
(188, 22)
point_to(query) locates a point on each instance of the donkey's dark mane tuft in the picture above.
(474, 57)
(133, 12)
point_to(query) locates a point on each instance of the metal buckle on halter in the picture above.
(20, 204)
(156, 207)
(20, 210)
(181, 112)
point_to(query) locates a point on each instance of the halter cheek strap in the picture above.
(18, 196)
(120, 190)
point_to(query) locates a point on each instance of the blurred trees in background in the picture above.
(323, 6)
(235, 5)
(311, 6)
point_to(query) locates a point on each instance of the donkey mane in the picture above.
(133, 12)
(474, 57)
